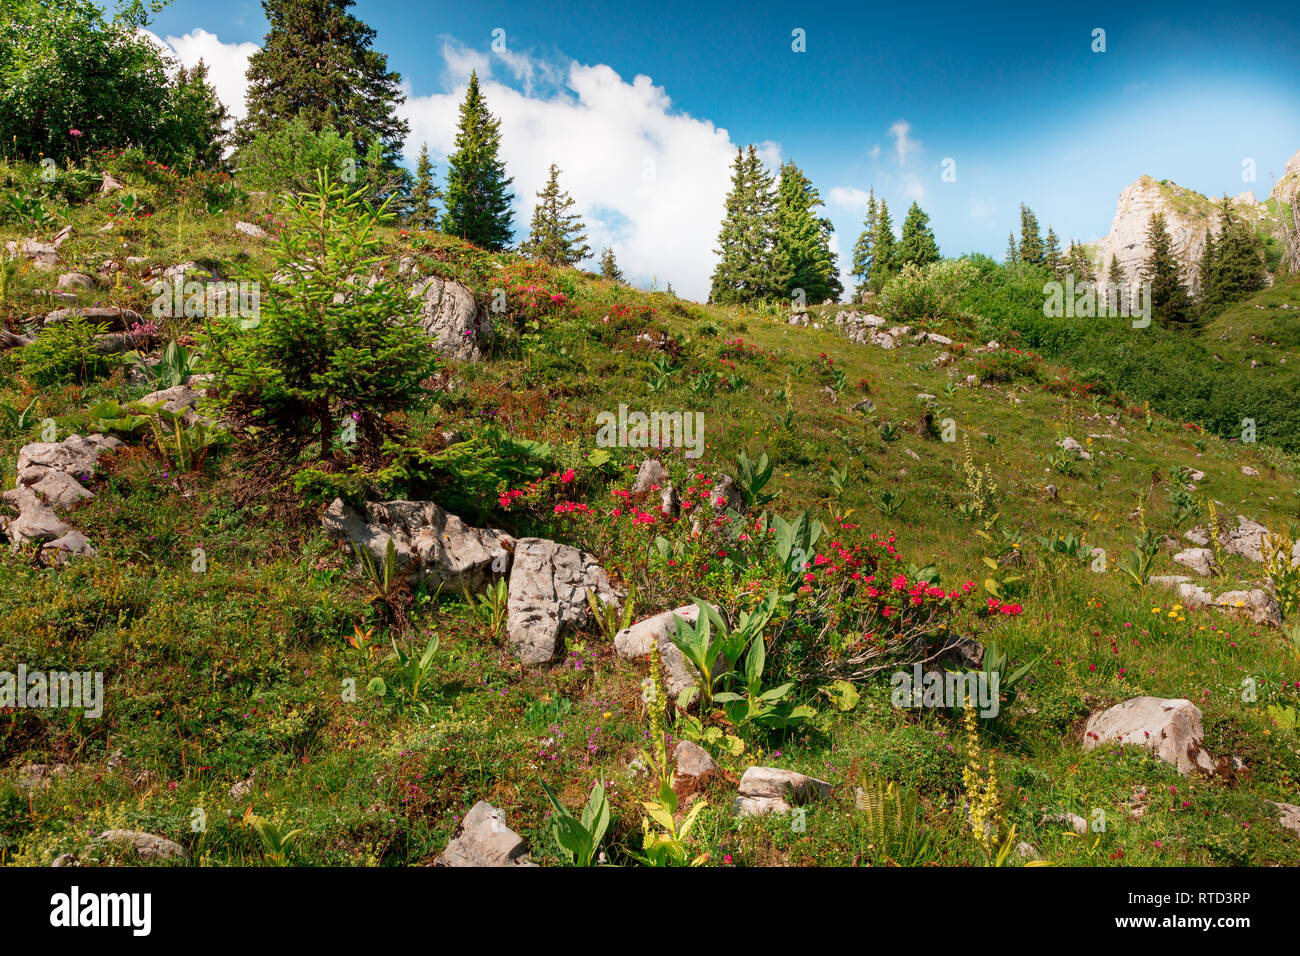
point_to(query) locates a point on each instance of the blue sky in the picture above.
(1015, 96)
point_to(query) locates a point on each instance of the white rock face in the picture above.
(1171, 729)
(1185, 218)
(1200, 560)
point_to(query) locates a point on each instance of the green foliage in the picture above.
(916, 246)
(892, 822)
(478, 196)
(864, 248)
(556, 235)
(930, 293)
(1169, 299)
(422, 207)
(747, 236)
(66, 351)
(275, 845)
(759, 708)
(578, 838)
(491, 607)
(609, 619)
(318, 65)
(752, 476)
(666, 846)
(802, 257)
(309, 362)
(289, 157)
(609, 267)
(1139, 562)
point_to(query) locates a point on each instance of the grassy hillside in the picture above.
(234, 674)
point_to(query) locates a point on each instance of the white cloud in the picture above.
(227, 64)
(904, 145)
(649, 182)
(848, 197)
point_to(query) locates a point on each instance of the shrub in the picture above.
(288, 158)
(929, 293)
(327, 349)
(66, 350)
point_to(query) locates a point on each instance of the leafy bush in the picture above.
(288, 158)
(930, 293)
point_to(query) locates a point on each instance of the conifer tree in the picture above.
(609, 267)
(193, 126)
(422, 206)
(1232, 265)
(476, 202)
(1031, 243)
(803, 257)
(1013, 254)
(862, 248)
(318, 62)
(556, 235)
(1078, 263)
(916, 246)
(1052, 251)
(883, 246)
(1169, 299)
(1115, 272)
(747, 238)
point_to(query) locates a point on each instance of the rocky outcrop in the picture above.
(429, 543)
(548, 596)
(483, 839)
(1200, 560)
(1188, 215)
(450, 314)
(1170, 729)
(773, 790)
(50, 476)
(635, 642)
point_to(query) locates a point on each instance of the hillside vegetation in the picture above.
(225, 679)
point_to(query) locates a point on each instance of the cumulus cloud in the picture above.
(650, 182)
(227, 64)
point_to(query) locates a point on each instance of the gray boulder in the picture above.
(147, 846)
(429, 543)
(773, 790)
(548, 596)
(1171, 729)
(449, 313)
(635, 642)
(483, 839)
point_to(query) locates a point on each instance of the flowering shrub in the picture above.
(1006, 365)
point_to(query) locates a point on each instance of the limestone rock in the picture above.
(248, 229)
(1170, 728)
(692, 763)
(1258, 605)
(449, 313)
(483, 839)
(1288, 816)
(146, 845)
(1200, 560)
(548, 596)
(428, 542)
(635, 642)
(773, 790)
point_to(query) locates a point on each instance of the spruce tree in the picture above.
(1169, 299)
(1079, 264)
(422, 211)
(1031, 243)
(1013, 254)
(193, 127)
(609, 267)
(1232, 265)
(747, 238)
(862, 248)
(1052, 252)
(883, 246)
(476, 203)
(803, 255)
(318, 62)
(916, 246)
(556, 235)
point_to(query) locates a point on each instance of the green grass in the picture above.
(242, 670)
